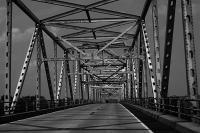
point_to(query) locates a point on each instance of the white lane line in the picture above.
(150, 131)
(40, 115)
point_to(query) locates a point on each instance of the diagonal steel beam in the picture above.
(29, 13)
(171, 11)
(70, 44)
(114, 73)
(46, 65)
(142, 17)
(114, 56)
(61, 15)
(129, 28)
(94, 75)
(115, 33)
(80, 8)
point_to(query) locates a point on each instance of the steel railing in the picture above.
(176, 106)
(28, 105)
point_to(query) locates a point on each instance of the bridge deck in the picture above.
(104, 118)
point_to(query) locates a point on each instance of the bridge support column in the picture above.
(76, 87)
(80, 79)
(156, 47)
(191, 73)
(60, 83)
(148, 56)
(67, 67)
(128, 78)
(87, 87)
(140, 67)
(8, 52)
(66, 80)
(55, 71)
(168, 47)
(135, 80)
(46, 66)
(131, 77)
(39, 62)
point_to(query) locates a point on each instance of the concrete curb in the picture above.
(176, 123)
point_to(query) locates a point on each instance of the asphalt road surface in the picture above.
(94, 118)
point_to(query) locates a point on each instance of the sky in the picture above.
(23, 28)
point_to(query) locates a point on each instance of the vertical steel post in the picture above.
(8, 53)
(38, 82)
(128, 78)
(135, 81)
(145, 82)
(191, 72)
(66, 78)
(140, 65)
(156, 46)
(80, 77)
(85, 89)
(145, 76)
(55, 71)
(131, 76)
(60, 82)
(75, 67)
(126, 84)
(69, 77)
(136, 68)
(93, 94)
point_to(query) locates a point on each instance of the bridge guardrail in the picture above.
(24, 106)
(179, 107)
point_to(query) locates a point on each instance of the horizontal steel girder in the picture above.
(107, 82)
(94, 20)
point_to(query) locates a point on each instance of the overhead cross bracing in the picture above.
(100, 34)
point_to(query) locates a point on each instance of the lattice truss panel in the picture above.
(102, 48)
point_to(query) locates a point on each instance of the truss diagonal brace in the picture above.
(112, 54)
(147, 47)
(142, 17)
(168, 47)
(114, 73)
(129, 28)
(60, 81)
(24, 69)
(156, 45)
(70, 44)
(31, 15)
(67, 70)
(46, 66)
(78, 7)
(93, 75)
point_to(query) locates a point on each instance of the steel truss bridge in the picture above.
(102, 56)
